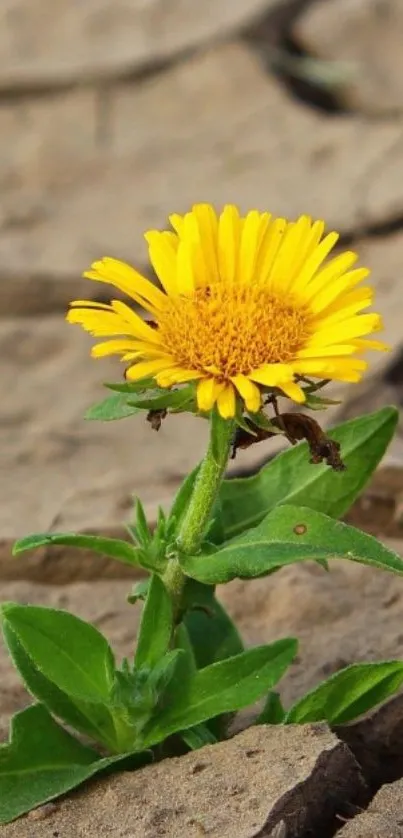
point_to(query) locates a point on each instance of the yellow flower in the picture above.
(245, 303)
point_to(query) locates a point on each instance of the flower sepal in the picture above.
(319, 403)
(176, 400)
(128, 399)
(131, 386)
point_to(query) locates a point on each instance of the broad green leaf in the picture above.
(95, 720)
(212, 633)
(221, 688)
(114, 548)
(113, 407)
(213, 636)
(156, 625)
(42, 761)
(348, 694)
(273, 712)
(71, 653)
(289, 534)
(291, 478)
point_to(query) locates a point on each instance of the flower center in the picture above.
(234, 329)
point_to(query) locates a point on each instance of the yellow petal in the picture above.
(208, 232)
(269, 248)
(340, 369)
(207, 391)
(99, 323)
(248, 391)
(248, 248)
(326, 351)
(185, 281)
(135, 325)
(128, 280)
(328, 292)
(354, 327)
(346, 306)
(272, 375)
(315, 260)
(365, 345)
(226, 402)
(177, 222)
(148, 368)
(307, 247)
(348, 312)
(177, 375)
(293, 391)
(229, 235)
(145, 350)
(90, 304)
(162, 254)
(282, 273)
(199, 269)
(112, 347)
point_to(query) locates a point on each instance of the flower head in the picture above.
(246, 304)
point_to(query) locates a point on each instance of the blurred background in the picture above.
(114, 113)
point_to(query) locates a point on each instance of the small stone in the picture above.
(42, 812)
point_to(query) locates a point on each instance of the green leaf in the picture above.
(114, 407)
(198, 736)
(141, 528)
(158, 398)
(71, 653)
(273, 712)
(318, 402)
(348, 694)
(241, 422)
(114, 548)
(221, 688)
(212, 633)
(162, 673)
(289, 534)
(42, 761)
(95, 720)
(133, 386)
(261, 421)
(291, 478)
(156, 625)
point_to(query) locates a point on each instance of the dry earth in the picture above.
(110, 117)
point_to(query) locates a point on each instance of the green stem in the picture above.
(201, 503)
